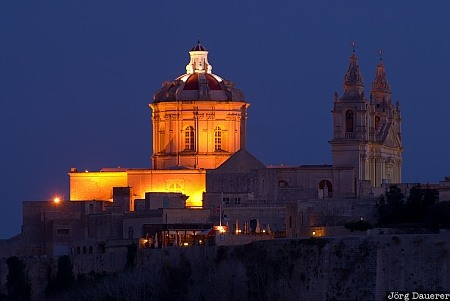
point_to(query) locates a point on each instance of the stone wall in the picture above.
(356, 267)
(352, 268)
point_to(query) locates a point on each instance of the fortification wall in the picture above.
(355, 268)
(360, 267)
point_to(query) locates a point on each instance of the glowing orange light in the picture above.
(56, 200)
(221, 229)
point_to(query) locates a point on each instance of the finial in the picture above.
(198, 39)
(336, 96)
(354, 46)
(380, 54)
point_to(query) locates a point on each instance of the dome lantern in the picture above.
(198, 83)
(199, 60)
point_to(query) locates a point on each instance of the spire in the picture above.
(380, 86)
(353, 80)
(199, 60)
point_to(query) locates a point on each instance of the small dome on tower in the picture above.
(198, 83)
(198, 47)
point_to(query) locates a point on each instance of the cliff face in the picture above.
(350, 268)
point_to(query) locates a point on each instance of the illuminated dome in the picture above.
(199, 83)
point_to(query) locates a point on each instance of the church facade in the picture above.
(367, 132)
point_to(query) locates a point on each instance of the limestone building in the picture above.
(367, 132)
(198, 120)
(199, 123)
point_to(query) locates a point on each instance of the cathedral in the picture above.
(199, 136)
(203, 177)
(205, 188)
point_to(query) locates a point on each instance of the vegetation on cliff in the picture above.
(420, 209)
(17, 281)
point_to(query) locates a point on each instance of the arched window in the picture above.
(175, 187)
(189, 139)
(327, 188)
(349, 121)
(217, 138)
(283, 183)
(377, 122)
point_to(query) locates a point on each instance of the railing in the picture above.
(254, 205)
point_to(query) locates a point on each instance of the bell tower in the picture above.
(385, 161)
(367, 133)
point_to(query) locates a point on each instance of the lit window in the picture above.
(175, 187)
(189, 138)
(217, 138)
(349, 121)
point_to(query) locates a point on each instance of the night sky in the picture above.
(76, 78)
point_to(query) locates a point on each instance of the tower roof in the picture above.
(380, 86)
(353, 80)
(198, 83)
(198, 47)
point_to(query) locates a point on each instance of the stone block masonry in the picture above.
(360, 267)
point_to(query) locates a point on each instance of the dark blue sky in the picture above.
(76, 78)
